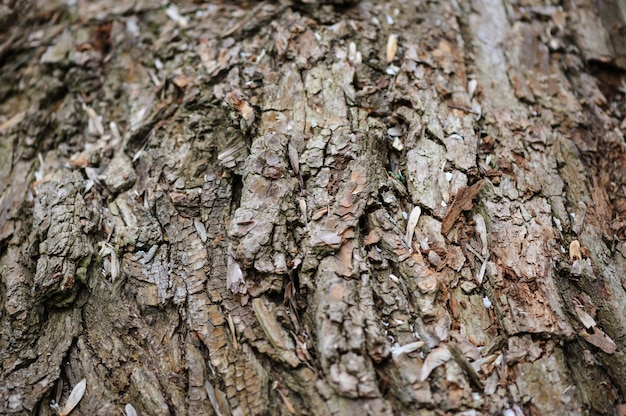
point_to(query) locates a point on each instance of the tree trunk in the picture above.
(384, 208)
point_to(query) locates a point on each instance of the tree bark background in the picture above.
(209, 208)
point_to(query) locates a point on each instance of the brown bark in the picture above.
(210, 208)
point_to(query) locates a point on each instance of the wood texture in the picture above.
(204, 207)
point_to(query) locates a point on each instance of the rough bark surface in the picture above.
(375, 207)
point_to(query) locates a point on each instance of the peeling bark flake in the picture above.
(410, 226)
(436, 358)
(462, 202)
(235, 281)
(75, 396)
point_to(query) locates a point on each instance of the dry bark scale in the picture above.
(376, 207)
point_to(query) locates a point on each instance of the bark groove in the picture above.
(305, 207)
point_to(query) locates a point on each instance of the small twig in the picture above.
(483, 269)
(474, 252)
(460, 359)
(467, 110)
(243, 21)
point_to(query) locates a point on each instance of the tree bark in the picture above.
(253, 208)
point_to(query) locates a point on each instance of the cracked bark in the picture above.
(204, 208)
